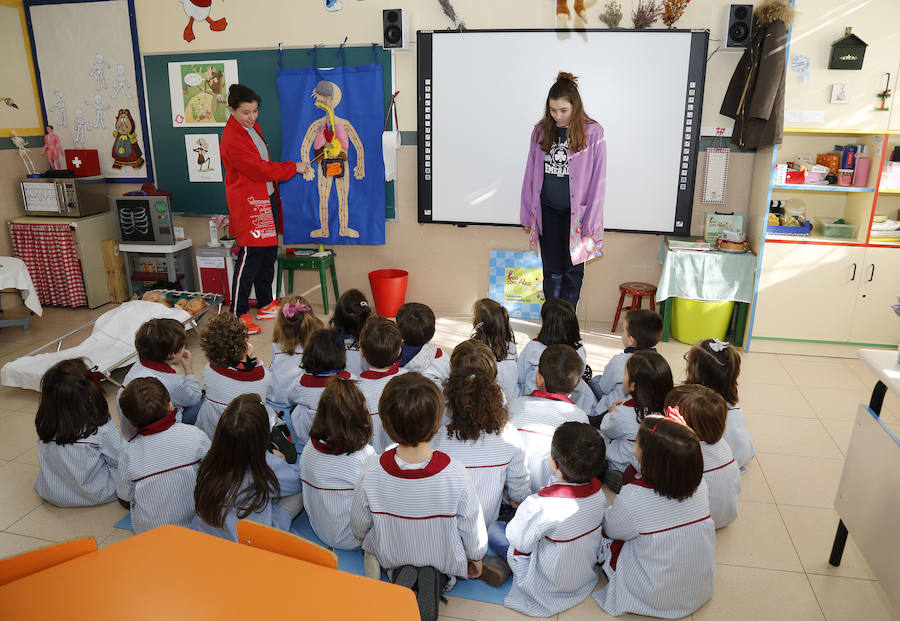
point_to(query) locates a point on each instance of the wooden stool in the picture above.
(637, 291)
(291, 262)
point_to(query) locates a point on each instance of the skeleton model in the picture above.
(120, 82)
(97, 103)
(19, 142)
(60, 107)
(79, 125)
(99, 66)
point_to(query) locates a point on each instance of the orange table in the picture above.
(174, 573)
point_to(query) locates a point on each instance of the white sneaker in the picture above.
(372, 566)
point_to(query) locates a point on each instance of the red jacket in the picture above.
(251, 216)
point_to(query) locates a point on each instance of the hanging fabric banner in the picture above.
(333, 119)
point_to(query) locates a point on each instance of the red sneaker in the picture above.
(270, 311)
(252, 328)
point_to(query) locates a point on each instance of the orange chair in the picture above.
(637, 291)
(27, 563)
(276, 540)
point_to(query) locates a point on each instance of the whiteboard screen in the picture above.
(481, 93)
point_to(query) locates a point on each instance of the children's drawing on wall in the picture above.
(126, 151)
(79, 126)
(332, 6)
(203, 161)
(59, 107)
(840, 93)
(199, 10)
(120, 82)
(100, 65)
(99, 108)
(197, 91)
(9, 102)
(330, 136)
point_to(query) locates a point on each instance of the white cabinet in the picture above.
(828, 293)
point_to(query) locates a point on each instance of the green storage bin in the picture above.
(693, 320)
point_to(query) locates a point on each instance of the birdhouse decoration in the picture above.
(847, 52)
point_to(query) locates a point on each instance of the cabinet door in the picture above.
(873, 319)
(807, 291)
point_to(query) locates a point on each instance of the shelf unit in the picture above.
(815, 294)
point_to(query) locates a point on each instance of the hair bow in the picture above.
(363, 303)
(479, 325)
(290, 310)
(673, 413)
(717, 346)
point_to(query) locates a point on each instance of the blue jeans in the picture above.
(189, 413)
(497, 540)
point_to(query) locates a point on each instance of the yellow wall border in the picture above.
(26, 131)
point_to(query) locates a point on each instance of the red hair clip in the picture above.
(674, 414)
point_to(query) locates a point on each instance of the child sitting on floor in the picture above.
(379, 343)
(418, 353)
(490, 325)
(350, 315)
(295, 323)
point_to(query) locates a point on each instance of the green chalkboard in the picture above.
(258, 69)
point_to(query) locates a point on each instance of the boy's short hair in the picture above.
(380, 342)
(159, 339)
(644, 326)
(323, 353)
(224, 341)
(144, 401)
(671, 458)
(703, 409)
(416, 323)
(578, 450)
(411, 407)
(561, 367)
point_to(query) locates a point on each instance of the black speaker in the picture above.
(393, 29)
(740, 19)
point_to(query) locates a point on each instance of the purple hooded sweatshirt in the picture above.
(587, 189)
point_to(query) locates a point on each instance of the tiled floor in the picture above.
(772, 561)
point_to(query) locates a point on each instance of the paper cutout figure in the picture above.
(79, 125)
(99, 108)
(125, 150)
(330, 136)
(59, 107)
(202, 149)
(333, 6)
(22, 146)
(52, 148)
(120, 82)
(9, 102)
(199, 10)
(99, 65)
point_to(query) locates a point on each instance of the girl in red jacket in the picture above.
(252, 194)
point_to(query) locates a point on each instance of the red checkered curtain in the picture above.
(51, 255)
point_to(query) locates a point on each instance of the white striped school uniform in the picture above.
(663, 562)
(83, 473)
(619, 428)
(432, 362)
(184, 390)
(553, 543)
(157, 474)
(372, 384)
(494, 462)
(284, 371)
(508, 373)
(306, 394)
(738, 437)
(271, 515)
(356, 364)
(527, 366)
(723, 477)
(536, 417)
(611, 382)
(329, 481)
(424, 515)
(223, 385)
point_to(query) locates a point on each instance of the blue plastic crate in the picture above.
(800, 231)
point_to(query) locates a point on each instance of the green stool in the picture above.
(291, 262)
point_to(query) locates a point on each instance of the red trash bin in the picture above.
(388, 290)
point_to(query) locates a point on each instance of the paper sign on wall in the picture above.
(199, 91)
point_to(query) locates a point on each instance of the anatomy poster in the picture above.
(333, 119)
(203, 161)
(199, 91)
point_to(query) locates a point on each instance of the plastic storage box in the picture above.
(828, 228)
(693, 320)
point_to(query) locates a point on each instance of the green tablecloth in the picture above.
(710, 276)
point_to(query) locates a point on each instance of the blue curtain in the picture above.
(355, 206)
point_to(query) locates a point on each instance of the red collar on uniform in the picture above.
(640, 482)
(325, 447)
(254, 375)
(312, 381)
(629, 403)
(563, 490)
(438, 353)
(438, 462)
(370, 374)
(162, 367)
(156, 427)
(556, 396)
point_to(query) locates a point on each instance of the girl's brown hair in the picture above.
(703, 409)
(72, 405)
(321, 353)
(490, 321)
(671, 459)
(565, 87)
(717, 370)
(652, 380)
(342, 418)
(350, 314)
(475, 400)
(224, 341)
(292, 332)
(473, 357)
(237, 455)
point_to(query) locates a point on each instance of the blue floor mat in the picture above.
(352, 561)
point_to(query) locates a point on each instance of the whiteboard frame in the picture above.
(681, 224)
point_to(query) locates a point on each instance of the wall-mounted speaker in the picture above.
(395, 29)
(740, 19)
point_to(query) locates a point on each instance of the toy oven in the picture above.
(66, 197)
(144, 220)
